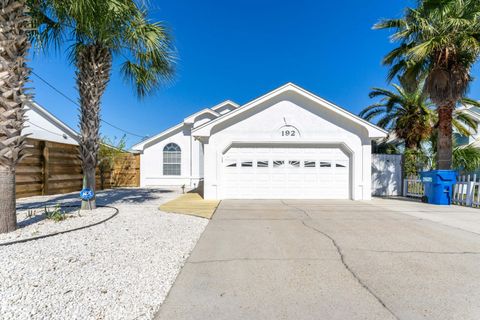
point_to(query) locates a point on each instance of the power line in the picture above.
(42, 128)
(78, 105)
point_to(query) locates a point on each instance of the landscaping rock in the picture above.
(121, 269)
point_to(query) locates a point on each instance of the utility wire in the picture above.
(42, 128)
(78, 105)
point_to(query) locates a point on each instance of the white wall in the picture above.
(151, 160)
(315, 124)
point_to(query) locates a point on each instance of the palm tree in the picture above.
(441, 41)
(409, 114)
(14, 75)
(405, 111)
(98, 32)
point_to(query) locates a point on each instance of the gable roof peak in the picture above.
(374, 131)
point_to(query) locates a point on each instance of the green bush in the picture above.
(414, 162)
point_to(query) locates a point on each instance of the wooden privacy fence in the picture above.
(466, 191)
(54, 168)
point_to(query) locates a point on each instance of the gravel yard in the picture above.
(122, 269)
(33, 223)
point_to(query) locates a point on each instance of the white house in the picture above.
(473, 112)
(287, 144)
(42, 125)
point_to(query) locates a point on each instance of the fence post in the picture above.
(45, 167)
(470, 191)
(137, 170)
(405, 187)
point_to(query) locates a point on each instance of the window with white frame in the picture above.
(172, 160)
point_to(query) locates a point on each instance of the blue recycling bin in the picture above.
(439, 186)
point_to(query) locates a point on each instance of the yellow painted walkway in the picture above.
(192, 204)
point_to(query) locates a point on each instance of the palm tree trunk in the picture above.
(93, 73)
(444, 139)
(8, 219)
(14, 23)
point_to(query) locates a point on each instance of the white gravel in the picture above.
(122, 269)
(36, 224)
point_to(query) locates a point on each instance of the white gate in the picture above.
(386, 175)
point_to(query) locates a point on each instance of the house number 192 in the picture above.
(288, 133)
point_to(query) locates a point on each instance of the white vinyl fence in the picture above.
(466, 191)
(413, 187)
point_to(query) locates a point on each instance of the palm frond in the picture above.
(468, 102)
(466, 158)
(464, 123)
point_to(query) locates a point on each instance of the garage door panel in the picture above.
(286, 173)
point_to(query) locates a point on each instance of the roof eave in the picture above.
(141, 145)
(374, 132)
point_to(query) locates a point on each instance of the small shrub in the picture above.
(415, 161)
(31, 213)
(57, 214)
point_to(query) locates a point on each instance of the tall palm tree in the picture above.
(98, 32)
(439, 39)
(14, 74)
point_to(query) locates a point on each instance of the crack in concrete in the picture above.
(342, 259)
(349, 269)
(296, 208)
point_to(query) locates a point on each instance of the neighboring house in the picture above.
(474, 112)
(287, 144)
(42, 125)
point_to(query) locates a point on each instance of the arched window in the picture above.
(172, 160)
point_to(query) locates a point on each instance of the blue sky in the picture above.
(240, 50)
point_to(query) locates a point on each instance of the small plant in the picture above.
(31, 213)
(57, 214)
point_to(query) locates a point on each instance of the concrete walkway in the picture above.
(383, 259)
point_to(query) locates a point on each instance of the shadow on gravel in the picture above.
(39, 214)
(104, 197)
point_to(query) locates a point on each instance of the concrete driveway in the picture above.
(385, 259)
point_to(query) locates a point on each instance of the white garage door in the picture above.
(285, 173)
